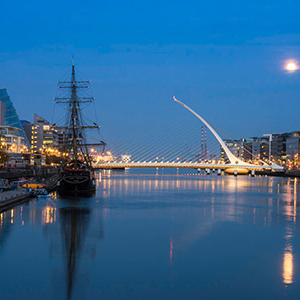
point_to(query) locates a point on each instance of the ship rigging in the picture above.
(77, 175)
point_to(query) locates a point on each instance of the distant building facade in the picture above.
(44, 135)
(281, 148)
(2, 113)
(235, 146)
(11, 139)
(284, 147)
(62, 139)
(248, 149)
(256, 148)
(27, 127)
(293, 149)
(11, 117)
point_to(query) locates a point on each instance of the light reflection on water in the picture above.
(166, 223)
(288, 265)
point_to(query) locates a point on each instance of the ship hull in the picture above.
(74, 183)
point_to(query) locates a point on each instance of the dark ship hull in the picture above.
(76, 183)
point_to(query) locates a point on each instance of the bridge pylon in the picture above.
(241, 166)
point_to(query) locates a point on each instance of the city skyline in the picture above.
(228, 64)
(149, 149)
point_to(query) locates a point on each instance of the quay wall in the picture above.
(15, 174)
(9, 199)
(288, 173)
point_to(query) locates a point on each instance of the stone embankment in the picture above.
(288, 173)
(9, 199)
(16, 174)
(293, 173)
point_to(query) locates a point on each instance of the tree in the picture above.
(4, 157)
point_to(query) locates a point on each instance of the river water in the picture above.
(156, 236)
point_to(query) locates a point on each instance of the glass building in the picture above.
(11, 116)
(293, 148)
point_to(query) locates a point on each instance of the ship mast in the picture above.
(74, 129)
(74, 110)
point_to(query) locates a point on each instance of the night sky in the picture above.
(223, 58)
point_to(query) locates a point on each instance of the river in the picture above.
(156, 236)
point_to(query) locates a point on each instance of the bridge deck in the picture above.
(178, 165)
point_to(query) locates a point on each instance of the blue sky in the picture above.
(223, 58)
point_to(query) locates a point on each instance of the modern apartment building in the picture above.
(44, 135)
(9, 116)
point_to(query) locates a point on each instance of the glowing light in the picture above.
(288, 266)
(171, 249)
(49, 215)
(291, 66)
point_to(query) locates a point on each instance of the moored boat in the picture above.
(41, 193)
(76, 177)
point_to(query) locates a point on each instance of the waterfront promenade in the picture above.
(14, 197)
(17, 196)
(15, 174)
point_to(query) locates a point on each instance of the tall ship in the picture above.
(76, 176)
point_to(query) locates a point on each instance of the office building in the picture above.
(11, 117)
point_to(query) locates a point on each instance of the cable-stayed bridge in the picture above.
(202, 160)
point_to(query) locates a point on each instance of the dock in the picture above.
(15, 174)
(11, 198)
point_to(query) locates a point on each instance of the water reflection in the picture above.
(288, 257)
(79, 227)
(260, 201)
(260, 197)
(120, 184)
(171, 249)
(74, 226)
(288, 265)
(291, 219)
(49, 214)
(163, 224)
(81, 230)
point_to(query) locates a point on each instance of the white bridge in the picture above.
(184, 165)
(235, 165)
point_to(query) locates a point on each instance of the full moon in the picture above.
(291, 67)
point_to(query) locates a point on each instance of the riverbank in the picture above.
(11, 198)
(15, 174)
(288, 173)
(8, 199)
